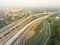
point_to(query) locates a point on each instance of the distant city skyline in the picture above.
(30, 3)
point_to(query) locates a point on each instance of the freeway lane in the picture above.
(11, 26)
(9, 42)
(21, 31)
(43, 17)
(15, 30)
(6, 28)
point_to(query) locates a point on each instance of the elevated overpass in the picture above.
(19, 36)
(15, 35)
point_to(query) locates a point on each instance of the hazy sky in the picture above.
(29, 3)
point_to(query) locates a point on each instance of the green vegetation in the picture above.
(39, 37)
(35, 40)
(8, 20)
(55, 30)
(2, 24)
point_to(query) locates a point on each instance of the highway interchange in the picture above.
(18, 33)
(9, 32)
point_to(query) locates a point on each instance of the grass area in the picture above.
(38, 38)
(55, 31)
